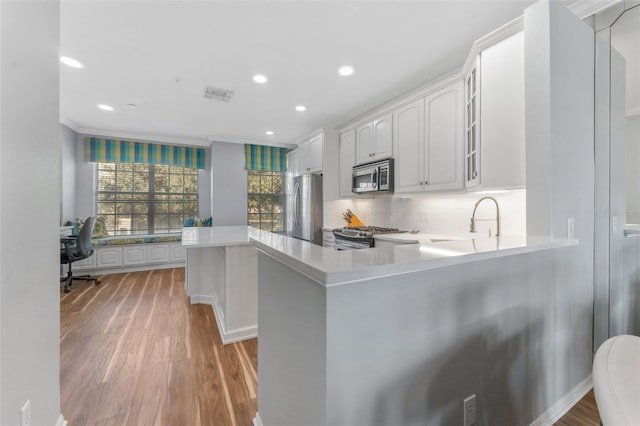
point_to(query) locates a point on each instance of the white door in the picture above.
(444, 139)
(303, 158)
(347, 161)
(364, 143)
(315, 154)
(383, 137)
(409, 147)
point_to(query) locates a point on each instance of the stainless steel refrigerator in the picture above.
(304, 207)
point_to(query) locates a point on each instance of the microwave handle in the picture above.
(374, 178)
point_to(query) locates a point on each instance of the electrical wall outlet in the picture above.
(470, 410)
(25, 414)
(570, 229)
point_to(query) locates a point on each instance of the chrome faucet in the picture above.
(474, 220)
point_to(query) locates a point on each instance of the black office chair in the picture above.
(77, 248)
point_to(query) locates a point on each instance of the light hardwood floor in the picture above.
(134, 351)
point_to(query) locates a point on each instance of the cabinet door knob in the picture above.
(475, 174)
(420, 182)
(426, 182)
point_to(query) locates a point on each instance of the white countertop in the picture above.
(632, 230)
(420, 237)
(216, 236)
(331, 267)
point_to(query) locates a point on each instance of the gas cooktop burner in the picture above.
(365, 231)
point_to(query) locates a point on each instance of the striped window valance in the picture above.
(102, 150)
(266, 158)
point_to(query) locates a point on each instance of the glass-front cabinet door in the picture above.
(472, 125)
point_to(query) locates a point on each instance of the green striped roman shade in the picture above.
(266, 158)
(101, 150)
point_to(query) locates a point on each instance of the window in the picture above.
(140, 198)
(266, 200)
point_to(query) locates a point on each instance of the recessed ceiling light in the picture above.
(346, 70)
(301, 108)
(269, 132)
(73, 63)
(105, 107)
(259, 78)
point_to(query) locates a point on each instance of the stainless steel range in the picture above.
(358, 237)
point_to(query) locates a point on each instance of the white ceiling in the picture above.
(135, 51)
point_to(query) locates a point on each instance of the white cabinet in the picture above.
(134, 255)
(292, 162)
(409, 147)
(428, 141)
(178, 252)
(108, 257)
(347, 161)
(158, 253)
(374, 140)
(310, 155)
(494, 117)
(444, 139)
(328, 239)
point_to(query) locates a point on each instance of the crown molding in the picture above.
(495, 36)
(585, 8)
(233, 139)
(406, 98)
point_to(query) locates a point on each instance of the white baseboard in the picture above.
(256, 420)
(227, 336)
(564, 404)
(61, 421)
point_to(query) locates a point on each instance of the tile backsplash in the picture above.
(435, 214)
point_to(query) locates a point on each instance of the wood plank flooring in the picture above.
(134, 351)
(584, 413)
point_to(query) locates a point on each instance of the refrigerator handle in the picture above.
(296, 207)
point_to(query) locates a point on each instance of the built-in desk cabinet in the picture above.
(125, 257)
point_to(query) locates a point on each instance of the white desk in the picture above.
(222, 271)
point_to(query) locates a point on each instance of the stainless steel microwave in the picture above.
(373, 177)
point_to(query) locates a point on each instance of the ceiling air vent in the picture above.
(217, 94)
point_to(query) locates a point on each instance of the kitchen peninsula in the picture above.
(402, 334)
(221, 271)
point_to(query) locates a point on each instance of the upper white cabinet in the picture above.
(428, 141)
(347, 161)
(494, 117)
(374, 140)
(307, 158)
(310, 155)
(292, 162)
(409, 147)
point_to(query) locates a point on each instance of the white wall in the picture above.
(632, 167)
(30, 182)
(435, 214)
(69, 138)
(559, 96)
(228, 184)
